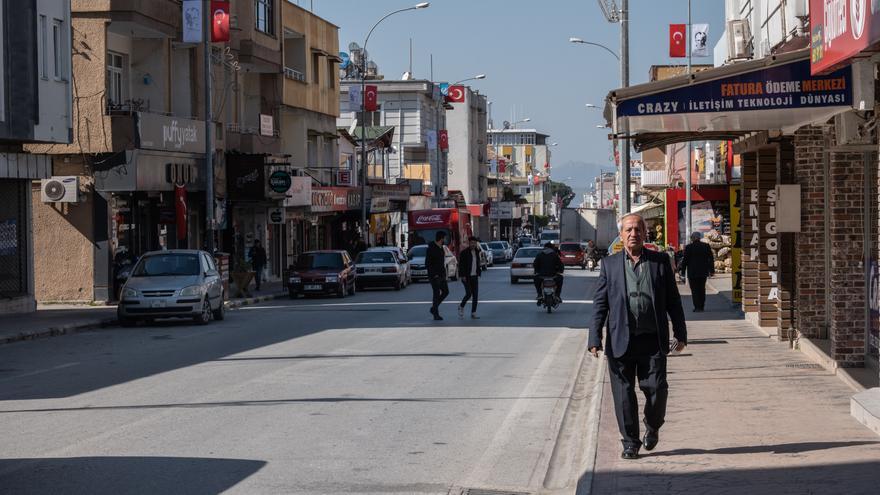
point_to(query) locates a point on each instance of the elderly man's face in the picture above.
(632, 232)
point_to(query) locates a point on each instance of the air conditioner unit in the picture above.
(739, 40)
(60, 189)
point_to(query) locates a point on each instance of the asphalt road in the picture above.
(361, 395)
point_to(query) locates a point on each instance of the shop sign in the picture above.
(502, 210)
(181, 173)
(335, 199)
(300, 192)
(245, 177)
(396, 192)
(267, 125)
(160, 132)
(275, 216)
(380, 205)
(343, 178)
(840, 30)
(774, 88)
(280, 181)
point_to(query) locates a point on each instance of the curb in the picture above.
(57, 331)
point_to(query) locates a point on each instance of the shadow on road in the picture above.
(129, 475)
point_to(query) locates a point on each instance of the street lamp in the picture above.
(590, 105)
(477, 77)
(582, 42)
(513, 125)
(421, 5)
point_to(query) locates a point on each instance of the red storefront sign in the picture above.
(840, 30)
(180, 210)
(326, 199)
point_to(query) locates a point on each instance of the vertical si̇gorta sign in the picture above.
(219, 20)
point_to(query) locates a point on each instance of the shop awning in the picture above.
(729, 102)
(651, 209)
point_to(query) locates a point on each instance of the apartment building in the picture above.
(468, 161)
(526, 171)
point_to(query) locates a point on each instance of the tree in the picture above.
(562, 190)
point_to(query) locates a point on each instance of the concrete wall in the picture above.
(319, 35)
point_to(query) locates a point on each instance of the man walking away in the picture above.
(258, 258)
(699, 264)
(548, 264)
(435, 263)
(635, 293)
(469, 271)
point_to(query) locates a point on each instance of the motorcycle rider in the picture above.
(592, 252)
(548, 264)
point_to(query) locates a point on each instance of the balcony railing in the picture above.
(655, 178)
(294, 74)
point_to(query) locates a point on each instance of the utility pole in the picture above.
(624, 82)
(689, 178)
(209, 132)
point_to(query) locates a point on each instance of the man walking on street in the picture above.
(435, 263)
(635, 292)
(258, 259)
(469, 271)
(699, 264)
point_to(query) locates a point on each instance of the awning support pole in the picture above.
(689, 179)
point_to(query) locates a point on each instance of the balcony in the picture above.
(655, 178)
(249, 140)
(294, 74)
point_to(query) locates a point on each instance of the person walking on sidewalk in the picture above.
(435, 263)
(469, 271)
(699, 264)
(258, 258)
(635, 293)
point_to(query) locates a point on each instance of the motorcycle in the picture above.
(548, 294)
(591, 264)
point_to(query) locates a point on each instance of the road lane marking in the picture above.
(40, 372)
(398, 303)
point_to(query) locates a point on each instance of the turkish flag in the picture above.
(180, 210)
(456, 94)
(219, 20)
(443, 139)
(502, 165)
(678, 40)
(371, 98)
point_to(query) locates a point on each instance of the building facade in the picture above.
(521, 170)
(468, 161)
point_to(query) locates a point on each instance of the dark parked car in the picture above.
(572, 254)
(322, 272)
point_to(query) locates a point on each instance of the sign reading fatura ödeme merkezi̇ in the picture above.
(775, 88)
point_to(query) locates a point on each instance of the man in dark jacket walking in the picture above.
(435, 263)
(258, 259)
(699, 264)
(469, 271)
(548, 264)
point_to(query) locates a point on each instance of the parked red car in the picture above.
(322, 272)
(572, 254)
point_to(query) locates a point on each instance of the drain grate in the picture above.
(481, 491)
(707, 341)
(804, 366)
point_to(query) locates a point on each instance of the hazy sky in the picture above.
(522, 46)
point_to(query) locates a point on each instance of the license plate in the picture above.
(569, 256)
(158, 304)
(312, 287)
(420, 272)
(373, 270)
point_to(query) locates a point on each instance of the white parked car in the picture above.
(379, 269)
(486, 256)
(501, 251)
(523, 264)
(400, 256)
(416, 256)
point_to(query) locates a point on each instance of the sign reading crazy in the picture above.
(782, 87)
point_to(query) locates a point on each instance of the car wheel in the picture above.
(220, 312)
(513, 280)
(397, 285)
(204, 317)
(341, 292)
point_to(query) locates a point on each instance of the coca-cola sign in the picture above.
(423, 219)
(335, 199)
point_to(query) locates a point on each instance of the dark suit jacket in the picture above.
(465, 260)
(611, 304)
(435, 261)
(699, 262)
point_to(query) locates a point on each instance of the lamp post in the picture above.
(475, 78)
(422, 5)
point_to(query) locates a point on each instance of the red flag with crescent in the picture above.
(443, 139)
(219, 20)
(456, 94)
(371, 98)
(678, 40)
(180, 210)
(502, 165)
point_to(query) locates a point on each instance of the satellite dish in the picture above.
(407, 76)
(506, 124)
(346, 60)
(353, 46)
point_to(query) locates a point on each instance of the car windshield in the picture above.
(374, 257)
(528, 253)
(168, 265)
(496, 245)
(418, 252)
(570, 247)
(550, 236)
(428, 235)
(319, 261)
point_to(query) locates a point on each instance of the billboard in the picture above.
(840, 30)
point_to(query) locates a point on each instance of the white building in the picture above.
(468, 162)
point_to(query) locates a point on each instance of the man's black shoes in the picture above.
(651, 439)
(630, 453)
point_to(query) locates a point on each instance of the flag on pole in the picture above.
(371, 98)
(192, 21)
(431, 139)
(443, 139)
(700, 40)
(456, 94)
(677, 38)
(219, 20)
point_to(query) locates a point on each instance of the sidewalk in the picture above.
(59, 319)
(745, 415)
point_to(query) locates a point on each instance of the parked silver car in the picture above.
(178, 283)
